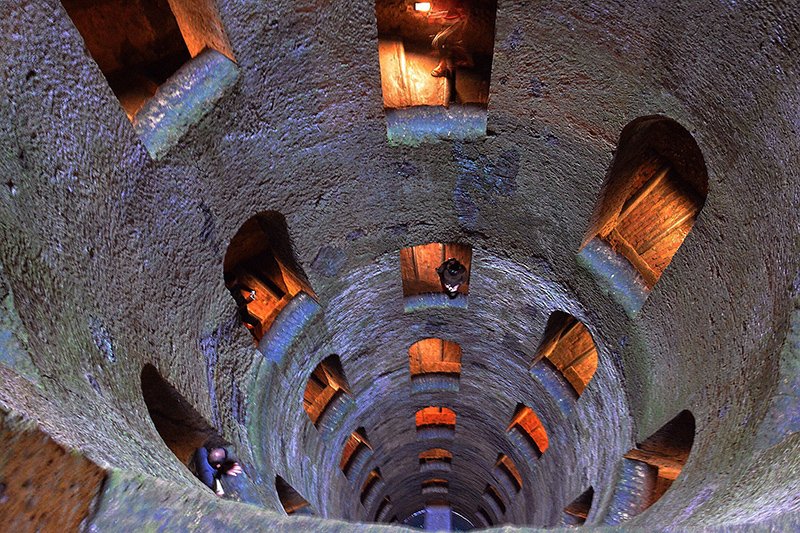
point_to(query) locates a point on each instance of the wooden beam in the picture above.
(655, 459)
(666, 231)
(641, 194)
(626, 249)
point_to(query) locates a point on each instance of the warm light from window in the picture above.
(422, 6)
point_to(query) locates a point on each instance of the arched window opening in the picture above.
(435, 459)
(666, 450)
(326, 384)
(525, 428)
(435, 364)
(651, 197)
(435, 422)
(419, 264)
(139, 44)
(370, 484)
(436, 62)
(435, 486)
(569, 346)
(291, 500)
(493, 499)
(576, 512)
(506, 470)
(181, 427)
(261, 272)
(355, 447)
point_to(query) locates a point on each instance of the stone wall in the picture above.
(114, 260)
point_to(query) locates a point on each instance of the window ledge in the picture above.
(288, 327)
(436, 300)
(556, 386)
(615, 274)
(632, 494)
(183, 100)
(419, 124)
(434, 382)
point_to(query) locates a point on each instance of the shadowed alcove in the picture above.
(435, 459)
(650, 469)
(291, 500)
(261, 272)
(435, 423)
(325, 390)
(435, 364)
(181, 427)
(575, 513)
(507, 473)
(527, 432)
(494, 501)
(371, 489)
(652, 195)
(355, 453)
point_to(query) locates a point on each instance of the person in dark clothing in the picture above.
(211, 463)
(452, 275)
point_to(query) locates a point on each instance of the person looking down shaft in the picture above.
(211, 463)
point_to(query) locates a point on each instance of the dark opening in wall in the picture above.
(292, 501)
(370, 485)
(436, 63)
(651, 197)
(326, 383)
(383, 510)
(436, 422)
(261, 271)
(181, 427)
(418, 266)
(435, 364)
(667, 450)
(137, 44)
(507, 472)
(356, 449)
(576, 512)
(526, 429)
(140, 44)
(494, 501)
(435, 459)
(569, 346)
(649, 470)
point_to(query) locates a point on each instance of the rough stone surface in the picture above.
(94, 231)
(183, 100)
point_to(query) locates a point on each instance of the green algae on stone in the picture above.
(13, 337)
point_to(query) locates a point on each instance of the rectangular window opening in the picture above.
(356, 442)
(326, 383)
(436, 63)
(419, 264)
